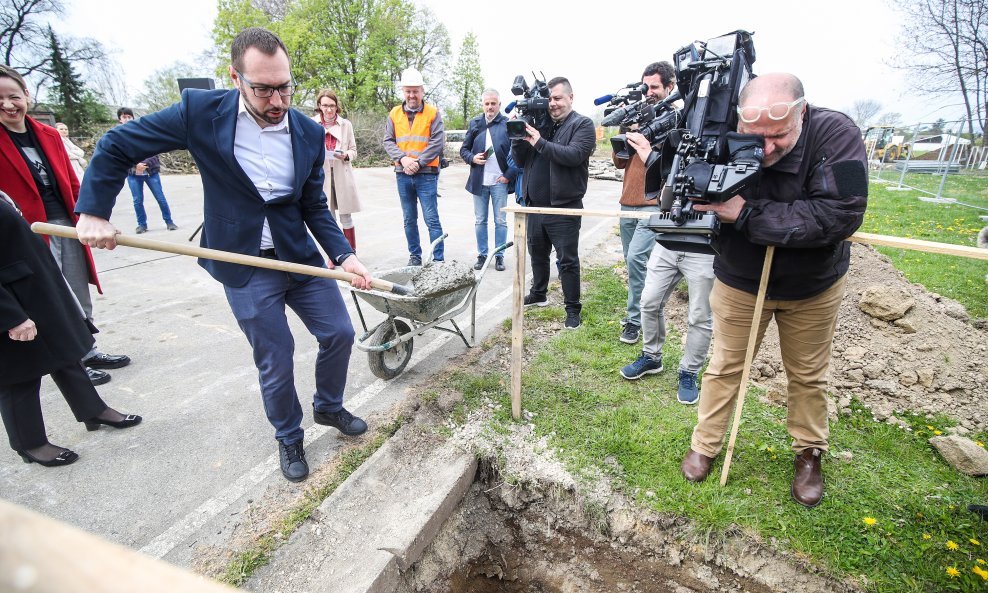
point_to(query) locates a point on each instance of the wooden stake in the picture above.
(43, 228)
(749, 354)
(518, 311)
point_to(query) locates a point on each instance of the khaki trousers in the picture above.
(806, 333)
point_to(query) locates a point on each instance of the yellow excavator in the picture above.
(883, 144)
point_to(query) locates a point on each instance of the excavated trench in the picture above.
(514, 538)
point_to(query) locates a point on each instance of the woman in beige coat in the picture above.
(341, 149)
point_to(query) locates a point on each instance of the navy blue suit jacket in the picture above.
(204, 122)
(475, 141)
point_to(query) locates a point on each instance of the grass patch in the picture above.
(894, 516)
(243, 564)
(902, 214)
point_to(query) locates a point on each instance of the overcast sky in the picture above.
(841, 49)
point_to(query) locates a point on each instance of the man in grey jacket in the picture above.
(556, 162)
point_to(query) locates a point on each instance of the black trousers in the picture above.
(548, 231)
(20, 405)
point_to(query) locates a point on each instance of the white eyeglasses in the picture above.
(776, 111)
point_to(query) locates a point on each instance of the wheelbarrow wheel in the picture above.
(388, 364)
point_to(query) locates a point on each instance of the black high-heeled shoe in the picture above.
(64, 458)
(128, 421)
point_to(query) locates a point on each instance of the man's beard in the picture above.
(263, 116)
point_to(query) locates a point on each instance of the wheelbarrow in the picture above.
(389, 344)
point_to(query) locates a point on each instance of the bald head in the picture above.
(770, 106)
(771, 88)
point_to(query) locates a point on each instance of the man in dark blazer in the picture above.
(261, 164)
(487, 149)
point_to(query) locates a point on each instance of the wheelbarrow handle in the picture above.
(43, 228)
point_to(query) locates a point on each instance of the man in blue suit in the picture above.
(261, 165)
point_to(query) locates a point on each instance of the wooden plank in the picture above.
(42, 555)
(518, 311)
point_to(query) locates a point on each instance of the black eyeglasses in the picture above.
(265, 92)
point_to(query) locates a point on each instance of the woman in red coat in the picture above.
(35, 171)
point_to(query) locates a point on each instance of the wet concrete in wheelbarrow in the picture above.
(437, 278)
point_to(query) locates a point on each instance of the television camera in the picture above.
(704, 160)
(650, 119)
(532, 105)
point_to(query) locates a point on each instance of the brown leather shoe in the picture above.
(696, 466)
(807, 481)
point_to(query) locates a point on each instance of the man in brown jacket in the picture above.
(636, 240)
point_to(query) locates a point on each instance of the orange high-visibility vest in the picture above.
(412, 140)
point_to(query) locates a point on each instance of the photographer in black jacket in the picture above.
(556, 168)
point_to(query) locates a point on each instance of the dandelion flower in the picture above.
(979, 443)
(929, 427)
(869, 521)
(952, 545)
(938, 432)
(980, 561)
(974, 541)
(980, 572)
(927, 536)
(953, 572)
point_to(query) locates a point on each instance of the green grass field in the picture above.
(894, 516)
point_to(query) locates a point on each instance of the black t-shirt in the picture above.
(44, 180)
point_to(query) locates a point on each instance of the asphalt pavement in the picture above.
(205, 449)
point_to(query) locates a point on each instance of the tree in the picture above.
(863, 111)
(161, 88)
(948, 53)
(25, 43)
(468, 82)
(79, 107)
(890, 118)
(358, 48)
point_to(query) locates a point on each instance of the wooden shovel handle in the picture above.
(44, 228)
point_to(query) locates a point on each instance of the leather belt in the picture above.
(269, 253)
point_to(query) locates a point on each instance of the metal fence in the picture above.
(935, 150)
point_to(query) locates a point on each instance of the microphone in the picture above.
(616, 117)
(602, 100)
(510, 107)
(672, 98)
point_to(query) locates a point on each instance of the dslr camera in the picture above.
(532, 105)
(704, 159)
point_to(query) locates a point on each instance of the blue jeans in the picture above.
(497, 195)
(413, 189)
(637, 242)
(259, 307)
(136, 183)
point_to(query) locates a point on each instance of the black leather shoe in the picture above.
(293, 465)
(64, 458)
(343, 421)
(101, 360)
(481, 260)
(499, 264)
(97, 377)
(127, 421)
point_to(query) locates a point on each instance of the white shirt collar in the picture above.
(242, 112)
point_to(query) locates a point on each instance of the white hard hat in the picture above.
(411, 77)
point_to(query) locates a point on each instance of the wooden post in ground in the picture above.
(518, 311)
(749, 355)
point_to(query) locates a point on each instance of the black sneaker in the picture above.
(343, 421)
(499, 264)
(572, 321)
(172, 226)
(631, 333)
(414, 260)
(97, 377)
(534, 301)
(141, 230)
(293, 465)
(481, 259)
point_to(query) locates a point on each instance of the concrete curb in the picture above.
(375, 525)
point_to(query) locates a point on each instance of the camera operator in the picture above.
(811, 197)
(636, 239)
(556, 164)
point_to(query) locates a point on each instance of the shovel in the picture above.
(44, 228)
